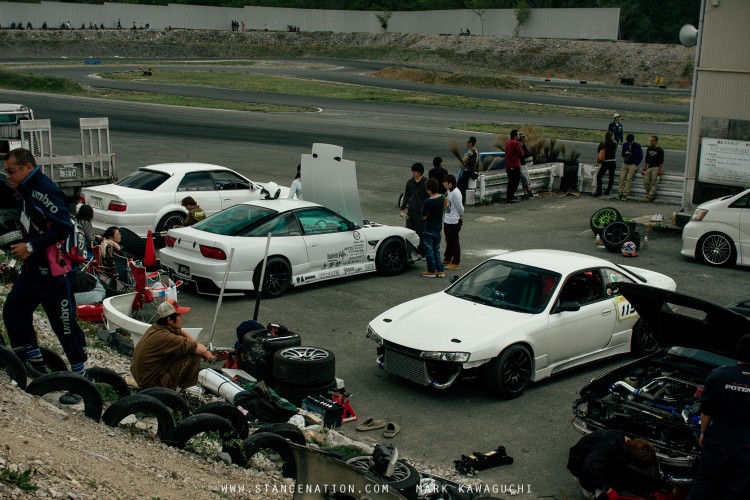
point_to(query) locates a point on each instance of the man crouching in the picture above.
(166, 356)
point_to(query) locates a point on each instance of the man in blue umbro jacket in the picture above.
(45, 221)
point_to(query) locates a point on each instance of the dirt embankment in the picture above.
(577, 59)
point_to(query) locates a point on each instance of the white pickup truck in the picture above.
(11, 116)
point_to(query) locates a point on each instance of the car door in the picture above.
(572, 333)
(199, 185)
(332, 241)
(233, 189)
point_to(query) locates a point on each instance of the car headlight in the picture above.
(699, 214)
(457, 357)
(374, 336)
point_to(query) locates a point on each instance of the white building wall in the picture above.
(596, 24)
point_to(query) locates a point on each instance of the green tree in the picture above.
(523, 12)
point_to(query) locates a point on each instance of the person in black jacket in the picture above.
(45, 221)
(599, 461)
(725, 431)
(608, 166)
(413, 201)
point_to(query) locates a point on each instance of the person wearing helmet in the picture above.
(616, 128)
(629, 249)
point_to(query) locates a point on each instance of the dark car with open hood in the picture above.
(657, 397)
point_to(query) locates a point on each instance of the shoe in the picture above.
(647, 199)
(524, 196)
(597, 195)
(441, 274)
(70, 399)
(371, 424)
(510, 201)
(446, 262)
(391, 430)
(624, 197)
(428, 274)
(453, 267)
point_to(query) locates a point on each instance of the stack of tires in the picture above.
(613, 230)
(258, 350)
(303, 371)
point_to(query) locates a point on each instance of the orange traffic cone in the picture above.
(547, 78)
(149, 257)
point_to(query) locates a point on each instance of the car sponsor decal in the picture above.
(625, 309)
(356, 235)
(364, 267)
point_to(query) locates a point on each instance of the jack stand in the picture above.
(475, 462)
(342, 398)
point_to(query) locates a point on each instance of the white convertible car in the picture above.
(516, 318)
(309, 243)
(150, 197)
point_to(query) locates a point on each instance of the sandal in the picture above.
(391, 430)
(371, 424)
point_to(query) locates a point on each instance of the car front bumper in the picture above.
(406, 363)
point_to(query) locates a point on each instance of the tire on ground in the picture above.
(132, 245)
(11, 237)
(509, 374)
(615, 234)
(172, 399)
(602, 217)
(111, 378)
(13, 366)
(405, 478)
(304, 366)
(391, 257)
(53, 361)
(70, 382)
(268, 440)
(209, 422)
(228, 411)
(142, 403)
(258, 352)
(277, 278)
(285, 430)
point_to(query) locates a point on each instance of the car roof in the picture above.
(181, 168)
(282, 204)
(554, 260)
(12, 108)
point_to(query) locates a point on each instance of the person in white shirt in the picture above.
(296, 189)
(452, 222)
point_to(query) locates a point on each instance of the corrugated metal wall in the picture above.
(595, 24)
(722, 88)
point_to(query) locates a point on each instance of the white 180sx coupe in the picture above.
(516, 318)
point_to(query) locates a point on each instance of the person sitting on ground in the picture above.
(599, 461)
(110, 246)
(166, 356)
(195, 212)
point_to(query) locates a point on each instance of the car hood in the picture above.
(680, 320)
(441, 322)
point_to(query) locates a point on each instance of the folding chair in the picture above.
(144, 299)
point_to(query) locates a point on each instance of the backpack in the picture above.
(74, 246)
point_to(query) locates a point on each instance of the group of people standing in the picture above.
(632, 156)
(432, 205)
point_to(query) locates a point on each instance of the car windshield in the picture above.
(234, 220)
(507, 285)
(145, 180)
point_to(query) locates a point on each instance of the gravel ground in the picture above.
(601, 61)
(71, 456)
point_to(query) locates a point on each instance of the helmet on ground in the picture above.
(270, 191)
(629, 250)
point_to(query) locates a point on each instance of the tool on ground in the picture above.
(477, 461)
(342, 398)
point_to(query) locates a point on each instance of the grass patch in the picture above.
(295, 86)
(676, 142)
(452, 79)
(15, 80)
(18, 479)
(346, 452)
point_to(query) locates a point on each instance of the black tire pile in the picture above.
(613, 230)
(176, 423)
(293, 370)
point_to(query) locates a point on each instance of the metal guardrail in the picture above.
(548, 177)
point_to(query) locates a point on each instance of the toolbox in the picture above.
(330, 411)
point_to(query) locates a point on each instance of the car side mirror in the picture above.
(613, 289)
(569, 305)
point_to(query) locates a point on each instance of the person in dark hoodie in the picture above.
(599, 461)
(45, 221)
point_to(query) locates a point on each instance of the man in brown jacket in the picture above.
(166, 356)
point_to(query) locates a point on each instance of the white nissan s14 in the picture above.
(516, 318)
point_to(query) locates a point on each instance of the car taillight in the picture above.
(699, 214)
(170, 241)
(117, 206)
(81, 199)
(213, 253)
